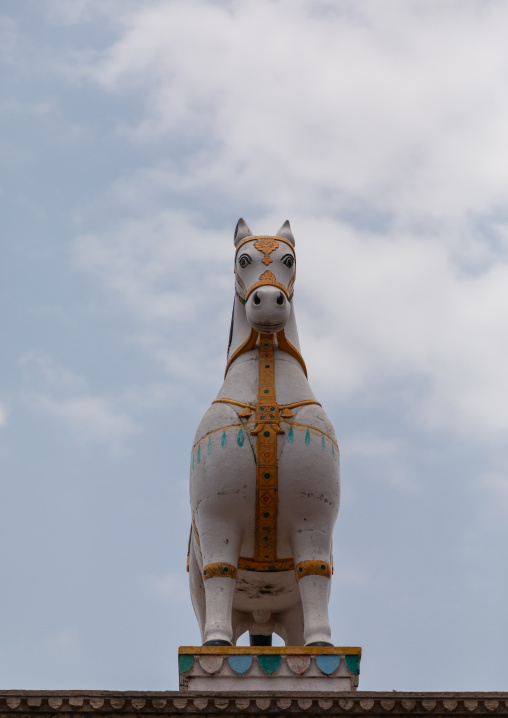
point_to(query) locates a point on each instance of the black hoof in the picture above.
(257, 639)
(320, 643)
(217, 643)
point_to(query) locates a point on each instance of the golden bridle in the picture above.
(266, 244)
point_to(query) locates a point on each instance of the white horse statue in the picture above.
(264, 480)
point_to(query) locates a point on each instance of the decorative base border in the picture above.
(280, 668)
(170, 703)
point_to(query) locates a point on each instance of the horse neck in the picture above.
(241, 381)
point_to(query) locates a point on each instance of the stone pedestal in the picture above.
(289, 668)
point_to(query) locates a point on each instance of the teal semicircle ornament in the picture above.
(185, 662)
(269, 663)
(224, 439)
(307, 438)
(328, 663)
(240, 664)
(291, 435)
(353, 664)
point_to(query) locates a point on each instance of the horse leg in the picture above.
(313, 573)
(290, 625)
(197, 588)
(240, 624)
(220, 551)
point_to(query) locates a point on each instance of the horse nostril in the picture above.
(257, 300)
(280, 299)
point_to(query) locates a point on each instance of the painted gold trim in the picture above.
(219, 569)
(240, 425)
(234, 403)
(267, 430)
(313, 567)
(270, 650)
(305, 402)
(243, 404)
(264, 236)
(266, 245)
(275, 566)
(313, 430)
(248, 344)
(267, 279)
(286, 346)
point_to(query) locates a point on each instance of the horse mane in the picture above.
(231, 328)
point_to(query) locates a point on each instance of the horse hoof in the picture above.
(320, 643)
(217, 643)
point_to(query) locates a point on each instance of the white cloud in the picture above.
(154, 262)
(3, 416)
(376, 129)
(369, 446)
(322, 105)
(171, 274)
(374, 312)
(89, 417)
(82, 11)
(8, 38)
(393, 309)
(40, 368)
(56, 391)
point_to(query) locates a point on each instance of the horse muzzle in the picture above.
(267, 309)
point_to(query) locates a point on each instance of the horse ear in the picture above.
(285, 231)
(241, 231)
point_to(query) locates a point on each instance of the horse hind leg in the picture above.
(313, 573)
(289, 625)
(220, 561)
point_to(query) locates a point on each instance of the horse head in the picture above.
(265, 269)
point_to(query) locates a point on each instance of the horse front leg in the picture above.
(220, 548)
(313, 573)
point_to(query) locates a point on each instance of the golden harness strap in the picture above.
(268, 415)
(250, 343)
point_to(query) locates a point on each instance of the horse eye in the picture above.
(244, 260)
(288, 260)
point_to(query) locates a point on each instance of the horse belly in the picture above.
(273, 591)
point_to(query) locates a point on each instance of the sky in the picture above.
(133, 135)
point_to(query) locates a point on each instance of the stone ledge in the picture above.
(172, 703)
